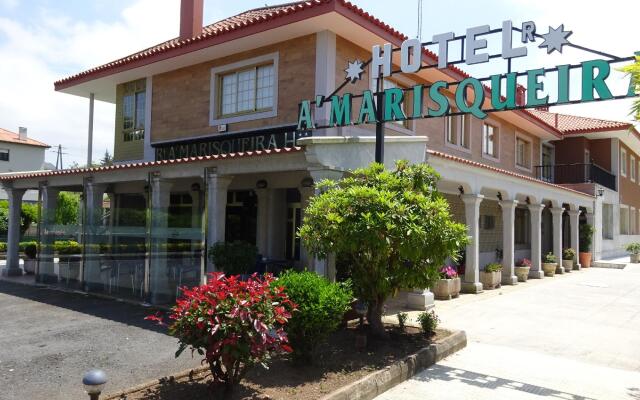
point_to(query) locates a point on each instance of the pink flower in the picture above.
(448, 272)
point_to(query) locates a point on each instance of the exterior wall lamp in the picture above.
(600, 192)
(461, 190)
(307, 182)
(500, 196)
(261, 184)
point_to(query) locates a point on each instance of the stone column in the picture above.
(217, 186)
(574, 220)
(94, 194)
(13, 235)
(508, 241)
(46, 262)
(159, 272)
(557, 212)
(471, 283)
(535, 211)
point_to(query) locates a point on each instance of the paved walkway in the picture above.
(48, 339)
(575, 336)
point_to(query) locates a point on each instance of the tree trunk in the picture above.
(374, 316)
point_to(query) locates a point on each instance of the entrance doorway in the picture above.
(242, 216)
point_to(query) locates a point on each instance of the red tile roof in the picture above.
(11, 137)
(252, 19)
(118, 167)
(572, 124)
(499, 170)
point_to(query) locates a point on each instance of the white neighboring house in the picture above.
(21, 153)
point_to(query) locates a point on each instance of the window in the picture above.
(247, 91)
(547, 163)
(632, 168)
(389, 84)
(133, 110)
(490, 140)
(523, 153)
(623, 162)
(488, 222)
(4, 154)
(456, 130)
(624, 221)
(521, 226)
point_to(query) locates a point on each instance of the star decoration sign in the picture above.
(354, 71)
(555, 39)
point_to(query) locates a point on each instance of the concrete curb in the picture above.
(366, 388)
(379, 382)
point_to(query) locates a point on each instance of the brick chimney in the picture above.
(22, 133)
(521, 93)
(191, 12)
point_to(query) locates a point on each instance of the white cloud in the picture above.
(610, 27)
(53, 45)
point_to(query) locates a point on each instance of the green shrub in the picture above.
(586, 237)
(235, 258)
(402, 320)
(67, 247)
(321, 306)
(633, 248)
(493, 267)
(3, 247)
(30, 249)
(428, 322)
(568, 254)
(550, 258)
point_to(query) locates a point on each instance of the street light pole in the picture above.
(379, 119)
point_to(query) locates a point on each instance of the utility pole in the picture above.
(90, 144)
(59, 158)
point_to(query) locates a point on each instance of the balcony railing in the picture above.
(576, 173)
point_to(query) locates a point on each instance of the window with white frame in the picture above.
(624, 221)
(248, 90)
(523, 153)
(623, 162)
(632, 168)
(456, 130)
(4, 154)
(490, 140)
(389, 84)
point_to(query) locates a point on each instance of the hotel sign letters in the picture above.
(224, 144)
(564, 84)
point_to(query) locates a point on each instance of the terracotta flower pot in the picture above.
(585, 259)
(446, 289)
(490, 280)
(549, 269)
(635, 258)
(568, 265)
(522, 273)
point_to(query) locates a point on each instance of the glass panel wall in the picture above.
(60, 236)
(116, 237)
(177, 207)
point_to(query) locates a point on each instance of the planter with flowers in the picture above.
(549, 264)
(568, 259)
(491, 276)
(449, 284)
(634, 251)
(522, 269)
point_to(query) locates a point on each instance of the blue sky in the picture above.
(44, 40)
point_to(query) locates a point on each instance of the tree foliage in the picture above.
(28, 215)
(634, 71)
(393, 225)
(67, 211)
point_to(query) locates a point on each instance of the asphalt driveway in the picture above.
(48, 339)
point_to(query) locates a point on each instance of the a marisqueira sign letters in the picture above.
(471, 95)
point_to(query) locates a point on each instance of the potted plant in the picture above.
(549, 264)
(634, 251)
(522, 269)
(69, 258)
(30, 252)
(491, 276)
(568, 259)
(449, 285)
(586, 238)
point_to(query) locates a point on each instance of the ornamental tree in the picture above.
(634, 71)
(394, 226)
(234, 324)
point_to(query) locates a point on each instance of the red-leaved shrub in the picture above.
(235, 324)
